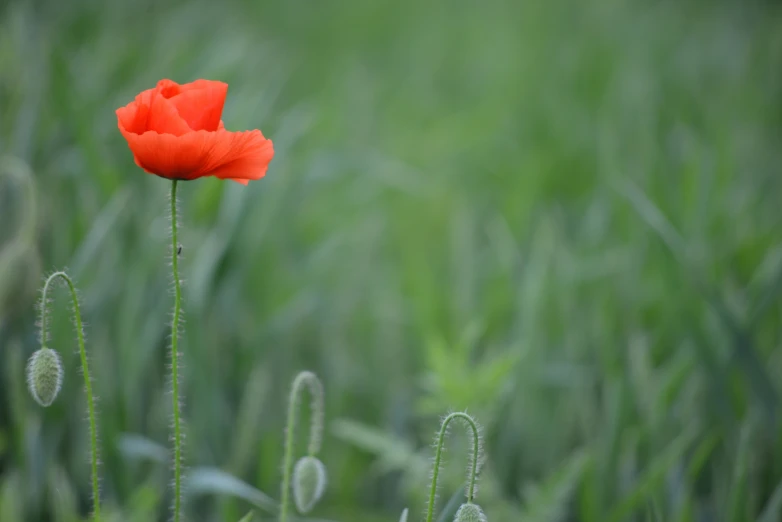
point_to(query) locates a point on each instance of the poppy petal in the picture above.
(168, 88)
(227, 155)
(133, 116)
(170, 156)
(151, 111)
(240, 155)
(198, 84)
(202, 106)
(164, 118)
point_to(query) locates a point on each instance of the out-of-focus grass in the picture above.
(563, 216)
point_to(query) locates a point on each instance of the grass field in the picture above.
(564, 217)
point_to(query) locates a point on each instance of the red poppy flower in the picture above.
(175, 132)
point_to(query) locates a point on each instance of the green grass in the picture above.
(563, 217)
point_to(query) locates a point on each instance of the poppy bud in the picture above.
(44, 376)
(470, 513)
(309, 483)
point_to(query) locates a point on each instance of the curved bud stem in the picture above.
(175, 357)
(310, 380)
(85, 371)
(472, 472)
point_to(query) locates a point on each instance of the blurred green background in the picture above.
(562, 216)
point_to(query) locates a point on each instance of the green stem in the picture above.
(85, 371)
(316, 430)
(473, 469)
(175, 356)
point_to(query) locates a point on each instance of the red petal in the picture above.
(164, 118)
(199, 84)
(151, 111)
(240, 156)
(200, 104)
(133, 116)
(169, 156)
(168, 88)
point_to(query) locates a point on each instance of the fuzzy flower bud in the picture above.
(470, 513)
(309, 483)
(44, 376)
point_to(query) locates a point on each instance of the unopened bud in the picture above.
(309, 483)
(470, 513)
(44, 376)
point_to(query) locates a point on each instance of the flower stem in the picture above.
(473, 469)
(316, 430)
(87, 382)
(175, 356)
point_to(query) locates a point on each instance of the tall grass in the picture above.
(563, 217)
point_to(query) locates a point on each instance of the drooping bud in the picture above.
(470, 513)
(44, 376)
(309, 483)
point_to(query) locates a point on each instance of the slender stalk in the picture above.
(473, 468)
(316, 430)
(175, 357)
(287, 467)
(85, 371)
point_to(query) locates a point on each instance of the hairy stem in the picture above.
(473, 470)
(85, 371)
(175, 357)
(310, 380)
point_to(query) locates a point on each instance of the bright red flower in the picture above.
(175, 132)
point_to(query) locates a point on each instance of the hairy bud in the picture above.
(309, 483)
(470, 513)
(44, 376)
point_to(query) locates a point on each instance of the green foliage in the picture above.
(216, 482)
(548, 501)
(562, 217)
